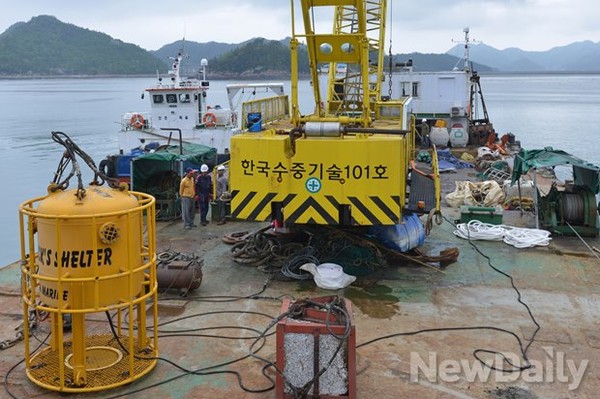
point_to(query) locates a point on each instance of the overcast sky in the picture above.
(426, 26)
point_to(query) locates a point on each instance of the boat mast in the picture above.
(174, 72)
(475, 91)
(466, 55)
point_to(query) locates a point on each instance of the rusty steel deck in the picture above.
(560, 283)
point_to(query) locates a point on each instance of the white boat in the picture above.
(179, 105)
(180, 113)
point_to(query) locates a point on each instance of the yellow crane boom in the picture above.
(347, 163)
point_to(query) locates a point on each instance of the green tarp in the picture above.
(158, 173)
(584, 173)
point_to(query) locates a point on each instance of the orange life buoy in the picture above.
(209, 119)
(137, 121)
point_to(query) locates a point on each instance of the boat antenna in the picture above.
(466, 42)
(466, 54)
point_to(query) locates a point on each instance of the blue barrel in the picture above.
(254, 122)
(401, 237)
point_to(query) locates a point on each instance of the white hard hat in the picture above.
(221, 167)
(423, 120)
(204, 168)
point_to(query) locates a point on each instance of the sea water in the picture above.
(540, 110)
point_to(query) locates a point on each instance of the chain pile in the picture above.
(20, 331)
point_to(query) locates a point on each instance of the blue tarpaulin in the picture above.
(447, 161)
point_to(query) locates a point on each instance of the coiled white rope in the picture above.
(476, 230)
(515, 236)
(525, 238)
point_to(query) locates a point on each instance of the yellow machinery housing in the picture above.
(95, 254)
(348, 162)
(351, 180)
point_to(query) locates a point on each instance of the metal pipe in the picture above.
(520, 196)
(535, 201)
(171, 130)
(374, 131)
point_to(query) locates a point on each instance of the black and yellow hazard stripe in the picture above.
(309, 209)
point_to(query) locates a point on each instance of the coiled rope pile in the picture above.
(516, 203)
(282, 255)
(516, 236)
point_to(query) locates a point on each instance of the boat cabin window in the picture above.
(415, 89)
(171, 98)
(184, 98)
(158, 98)
(409, 89)
(405, 88)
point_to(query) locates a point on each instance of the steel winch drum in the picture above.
(184, 275)
(572, 207)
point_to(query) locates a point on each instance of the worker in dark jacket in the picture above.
(425, 142)
(204, 190)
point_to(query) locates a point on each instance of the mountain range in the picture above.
(575, 57)
(45, 46)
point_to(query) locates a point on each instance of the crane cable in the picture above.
(390, 52)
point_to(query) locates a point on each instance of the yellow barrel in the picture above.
(89, 250)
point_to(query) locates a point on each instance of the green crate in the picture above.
(484, 214)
